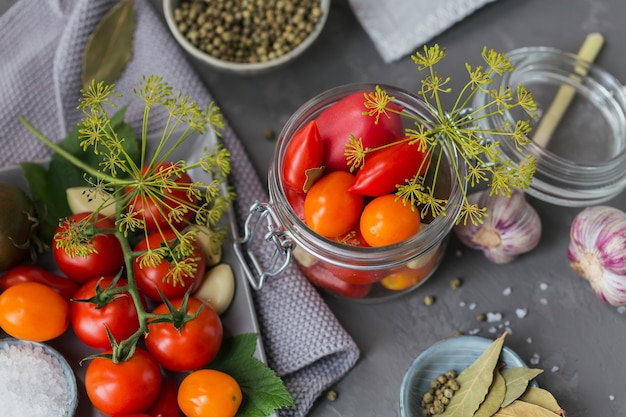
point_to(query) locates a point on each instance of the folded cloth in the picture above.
(41, 49)
(400, 27)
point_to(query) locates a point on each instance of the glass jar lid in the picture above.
(583, 161)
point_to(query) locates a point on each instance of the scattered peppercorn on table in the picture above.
(554, 320)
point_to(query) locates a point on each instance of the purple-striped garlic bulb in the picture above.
(597, 251)
(511, 228)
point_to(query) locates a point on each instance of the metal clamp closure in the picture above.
(262, 213)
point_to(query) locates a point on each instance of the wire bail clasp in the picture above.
(260, 214)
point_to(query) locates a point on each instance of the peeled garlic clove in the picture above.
(87, 199)
(217, 287)
(209, 243)
(597, 251)
(511, 228)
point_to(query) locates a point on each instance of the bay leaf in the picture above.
(517, 380)
(542, 398)
(524, 409)
(475, 381)
(494, 397)
(109, 48)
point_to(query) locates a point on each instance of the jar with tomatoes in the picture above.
(340, 217)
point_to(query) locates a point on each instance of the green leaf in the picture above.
(523, 409)
(47, 185)
(517, 380)
(263, 391)
(494, 397)
(109, 48)
(542, 398)
(475, 382)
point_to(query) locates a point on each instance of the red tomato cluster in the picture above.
(91, 293)
(358, 209)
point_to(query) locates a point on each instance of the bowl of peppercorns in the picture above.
(246, 36)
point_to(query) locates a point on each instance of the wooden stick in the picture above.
(550, 120)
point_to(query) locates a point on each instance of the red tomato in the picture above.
(385, 221)
(166, 404)
(303, 158)
(155, 211)
(149, 278)
(31, 273)
(296, 201)
(199, 338)
(107, 258)
(345, 118)
(127, 387)
(132, 415)
(323, 278)
(354, 276)
(92, 314)
(389, 167)
(329, 208)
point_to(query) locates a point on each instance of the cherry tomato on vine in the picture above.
(389, 167)
(31, 273)
(107, 258)
(385, 221)
(209, 393)
(348, 117)
(149, 278)
(126, 387)
(156, 206)
(33, 311)
(166, 404)
(329, 208)
(199, 338)
(115, 312)
(303, 158)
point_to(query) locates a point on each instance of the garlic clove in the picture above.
(597, 251)
(511, 228)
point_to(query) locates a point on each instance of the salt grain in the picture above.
(621, 309)
(543, 301)
(535, 359)
(507, 291)
(555, 368)
(611, 397)
(472, 306)
(33, 383)
(494, 317)
(521, 312)
(543, 286)
(529, 340)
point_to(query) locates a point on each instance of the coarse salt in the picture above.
(32, 383)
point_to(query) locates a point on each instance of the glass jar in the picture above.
(579, 134)
(364, 273)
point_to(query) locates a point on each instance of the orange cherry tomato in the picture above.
(33, 311)
(209, 393)
(329, 208)
(385, 221)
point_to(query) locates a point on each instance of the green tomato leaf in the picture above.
(475, 381)
(109, 48)
(263, 391)
(517, 380)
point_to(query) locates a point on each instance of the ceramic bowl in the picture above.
(44, 358)
(242, 68)
(456, 353)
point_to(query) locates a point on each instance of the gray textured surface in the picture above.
(579, 341)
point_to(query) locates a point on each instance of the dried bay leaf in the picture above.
(542, 398)
(524, 409)
(475, 381)
(494, 397)
(109, 48)
(517, 380)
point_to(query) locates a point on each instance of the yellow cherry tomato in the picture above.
(209, 393)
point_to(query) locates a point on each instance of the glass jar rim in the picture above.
(559, 180)
(360, 257)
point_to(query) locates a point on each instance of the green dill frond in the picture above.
(153, 91)
(376, 103)
(355, 153)
(96, 96)
(497, 61)
(432, 55)
(477, 77)
(215, 118)
(526, 101)
(471, 213)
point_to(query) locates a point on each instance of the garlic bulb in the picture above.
(597, 251)
(511, 228)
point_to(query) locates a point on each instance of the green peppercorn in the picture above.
(456, 283)
(429, 300)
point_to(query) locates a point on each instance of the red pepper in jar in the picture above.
(303, 158)
(31, 273)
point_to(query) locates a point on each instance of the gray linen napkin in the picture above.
(399, 27)
(41, 47)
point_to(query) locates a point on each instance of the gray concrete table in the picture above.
(578, 340)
